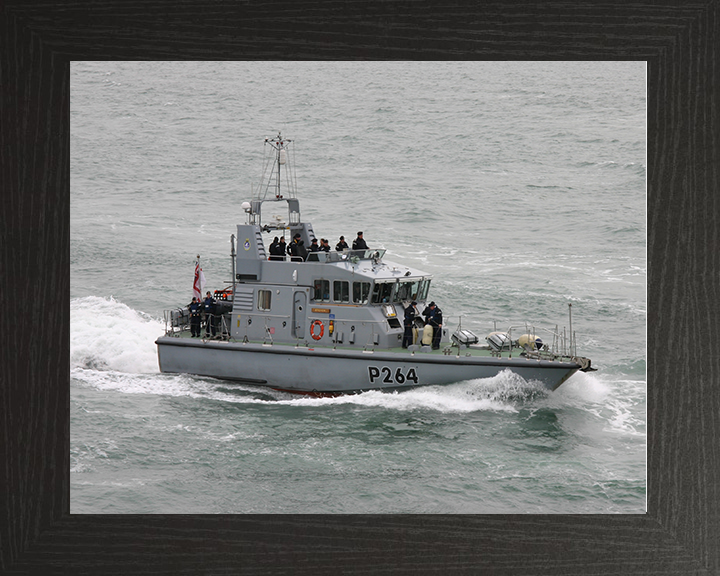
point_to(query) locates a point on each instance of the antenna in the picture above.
(281, 146)
(571, 331)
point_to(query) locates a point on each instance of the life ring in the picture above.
(312, 329)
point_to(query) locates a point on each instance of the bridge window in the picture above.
(321, 290)
(341, 291)
(382, 292)
(361, 292)
(423, 292)
(407, 291)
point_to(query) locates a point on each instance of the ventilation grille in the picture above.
(260, 245)
(243, 299)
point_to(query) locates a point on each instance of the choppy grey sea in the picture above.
(521, 186)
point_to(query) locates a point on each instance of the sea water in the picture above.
(520, 186)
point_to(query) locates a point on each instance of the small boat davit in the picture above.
(321, 321)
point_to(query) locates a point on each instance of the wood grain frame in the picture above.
(680, 534)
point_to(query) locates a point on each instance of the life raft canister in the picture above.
(499, 341)
(427, 335)
(312, 329)
(530, 342)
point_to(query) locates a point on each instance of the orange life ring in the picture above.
(312, 329)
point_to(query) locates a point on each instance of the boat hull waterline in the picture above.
(331, 371)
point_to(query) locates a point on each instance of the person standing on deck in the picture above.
(342, 245)
(209, 309)
(275, 250)
(195, 310)
(409, 323)
(433, 317)
(359, 242)
(297, 249)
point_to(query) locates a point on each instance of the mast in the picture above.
(273, 163)
(279, 163)
(281, 146)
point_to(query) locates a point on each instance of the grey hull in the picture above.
(336, 371)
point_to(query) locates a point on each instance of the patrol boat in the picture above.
(332, 323)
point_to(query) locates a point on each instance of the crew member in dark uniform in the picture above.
(289, 248)
(301, 250)
(409, 322)
(359, 243)
(324, 246)
(282, 248)
(314, 247)
(209, 309)
(342, 245)
(433, 316)
(195, 311)
(297, 249)
(275, 250)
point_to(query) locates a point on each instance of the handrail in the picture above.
(324, 257)
(561, 345)
(181, 323)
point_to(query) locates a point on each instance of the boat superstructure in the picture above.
(333, 322)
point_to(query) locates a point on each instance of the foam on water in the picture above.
(583, 387)
(497, 393)
(106, 334)
(612, 401)
(621, 420)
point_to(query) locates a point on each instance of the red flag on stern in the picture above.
(199, 282)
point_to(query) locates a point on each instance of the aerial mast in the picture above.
(280, 147)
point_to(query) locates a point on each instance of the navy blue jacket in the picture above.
(409, 315)
(194, 308)
(209, 305)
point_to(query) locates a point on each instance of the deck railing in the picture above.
(177, 322)
(323, 257)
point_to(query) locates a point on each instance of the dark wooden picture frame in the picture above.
(680, 534)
